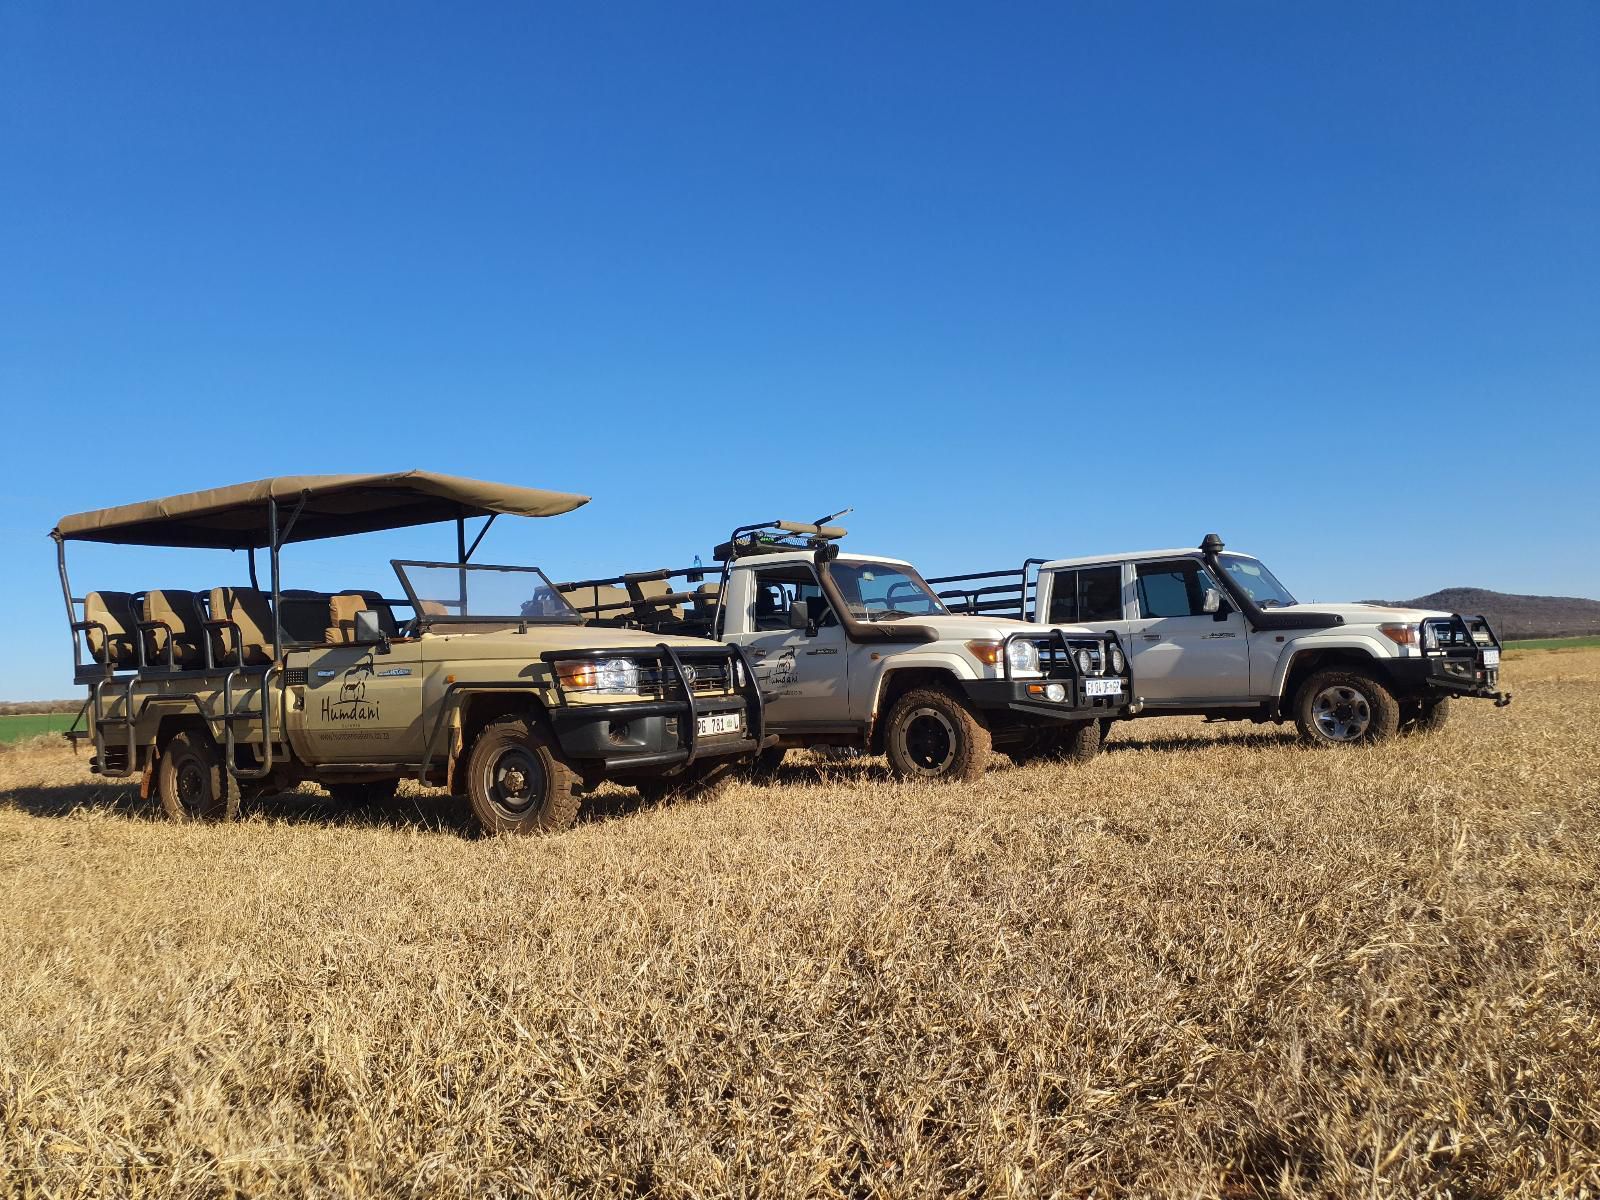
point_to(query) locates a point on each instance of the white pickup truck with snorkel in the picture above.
(1213, 633)
(856, 651)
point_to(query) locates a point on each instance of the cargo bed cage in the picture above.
(629, 601)
(1007, 593)
(674, 676)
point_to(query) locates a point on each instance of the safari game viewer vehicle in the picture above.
(1213, 633)
(492, 687)
(856, 651)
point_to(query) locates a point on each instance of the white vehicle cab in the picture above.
(1213, 633)
(857, 651)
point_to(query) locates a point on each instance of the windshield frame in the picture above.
(904, 569)
(570, 617)
(1266, 574)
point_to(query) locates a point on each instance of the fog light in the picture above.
(1055, 692)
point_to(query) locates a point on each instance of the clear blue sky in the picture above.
(1035, 279)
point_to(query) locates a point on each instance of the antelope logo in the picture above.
(352, 704)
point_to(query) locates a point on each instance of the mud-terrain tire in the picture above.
(764, 767)
(517, 781)
(192, 781)
(1078, 742)
(1345, 708)
(930, 734)
(703, 781)
(1425, 716)
(1075, 742)
(357, 795)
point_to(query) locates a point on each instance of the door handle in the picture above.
(1152, 637)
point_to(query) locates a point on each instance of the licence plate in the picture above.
(1491, 658)
(715, 723)
(1102, 687)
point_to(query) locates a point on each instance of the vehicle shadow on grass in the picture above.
(434, 810)
(1119, 742)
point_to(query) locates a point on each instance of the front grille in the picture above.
(706, 679)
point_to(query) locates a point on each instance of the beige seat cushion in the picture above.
(342, 612)
(180, 612)
(374, 601)
(113, 610)
(648, 590)
(251, 611)
(613, 602)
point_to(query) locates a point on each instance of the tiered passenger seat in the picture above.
(173, 620)
(110, 633)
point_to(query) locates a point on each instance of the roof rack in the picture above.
(779, 537)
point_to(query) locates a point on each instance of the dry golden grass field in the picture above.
(1211, 963)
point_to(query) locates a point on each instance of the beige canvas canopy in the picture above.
(236, 517)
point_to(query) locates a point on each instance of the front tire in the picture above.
(518, 783)
(1426, 716)
(703, 781)
(193, 781)
(1078, 741)
(932, 735)
(1345, 708)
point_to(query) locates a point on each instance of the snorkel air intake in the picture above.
(1211, 546)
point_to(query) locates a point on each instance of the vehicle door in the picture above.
(803, 673)
(361, 705)
(1190, 646)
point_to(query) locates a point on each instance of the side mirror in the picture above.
(800, 616)
(369, 632)
(1212, 602)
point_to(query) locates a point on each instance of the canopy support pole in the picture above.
(467, 557)
(254, 582)
(279, 537)
(461, 557)
(66, 594)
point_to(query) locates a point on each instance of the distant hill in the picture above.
(1515, 617)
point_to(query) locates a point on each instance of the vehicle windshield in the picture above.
(454, 591)
(881, 592)
(1259, 583)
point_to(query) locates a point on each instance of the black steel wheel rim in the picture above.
(517, 781)
(193, 787)
(930, 740)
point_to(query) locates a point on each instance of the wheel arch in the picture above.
(478, 708)
(1305, 661)
(899, 680)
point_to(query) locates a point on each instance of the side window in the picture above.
(1085, 596)
(1099, 594)
(776, 592)
(1170, 589)
(1064, 598)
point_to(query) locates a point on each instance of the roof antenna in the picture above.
(843, 512)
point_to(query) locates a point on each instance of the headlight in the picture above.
(607, 675)
(1022, 656)
(617, 675)
(1118, 660)
(1085, 661)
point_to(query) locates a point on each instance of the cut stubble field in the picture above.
(1210, 963)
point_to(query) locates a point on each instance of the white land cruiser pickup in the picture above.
(1213, 633)
(856, 651)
